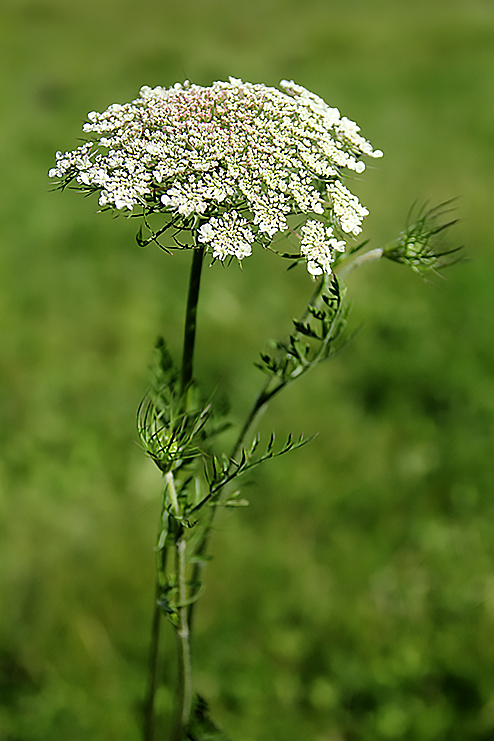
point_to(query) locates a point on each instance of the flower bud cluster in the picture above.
(236, 157)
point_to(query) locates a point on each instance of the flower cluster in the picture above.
(228, 235)
(232, 160)
(318, 245)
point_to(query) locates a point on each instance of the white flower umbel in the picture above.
(228, 235)
(235, 158)
(347, 209)
(318, 245)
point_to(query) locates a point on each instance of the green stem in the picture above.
(148, 731)
(265, 395)
(361, 260)
(257, 408)
(184, 644)
(148, 727)
(183, 634)
(172, 493)
(191, 319)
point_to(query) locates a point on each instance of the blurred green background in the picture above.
(354, 599)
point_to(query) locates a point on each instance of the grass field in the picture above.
(353, 600)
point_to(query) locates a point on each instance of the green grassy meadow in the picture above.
(353, 600)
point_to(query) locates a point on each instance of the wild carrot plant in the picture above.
(224, 170)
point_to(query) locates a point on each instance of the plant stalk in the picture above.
(191, 320)
(361, 260)
(183, 635)
(148, 730)
(148, 726)
(185, 683)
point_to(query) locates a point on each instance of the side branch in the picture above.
(361, 260)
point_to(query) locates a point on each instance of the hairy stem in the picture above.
(172, 493)
(361, 260)
(258, 407)
(183, 634)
